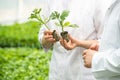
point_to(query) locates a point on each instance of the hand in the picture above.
(94, 46)
(87, 57)
(48, 39)
(69, 45)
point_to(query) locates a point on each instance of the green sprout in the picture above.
(36, 14)
(62, 23)
(60, 17)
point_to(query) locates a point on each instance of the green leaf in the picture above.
(33, 16)
(66, 23)
(73, 25)
(54, 15)
(37, 11)
(57, 14)
(64, 14)
(42, 20)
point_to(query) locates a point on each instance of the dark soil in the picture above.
(55, 35)
(65, 35)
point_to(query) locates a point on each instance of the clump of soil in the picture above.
(55, 35)
(64, 35)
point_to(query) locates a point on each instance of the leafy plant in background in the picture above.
(24, 64)
(36, 14)
(61, 17)
(20, 35)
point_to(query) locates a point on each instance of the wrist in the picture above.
(83, 43)
(78, 43)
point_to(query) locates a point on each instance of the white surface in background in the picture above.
(18, 10)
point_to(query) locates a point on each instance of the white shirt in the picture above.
(68, 65)
(106, 63)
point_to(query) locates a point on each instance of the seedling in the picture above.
(62, 23)
(36, 14)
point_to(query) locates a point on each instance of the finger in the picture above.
(65, 42)
(96, 48)
(47, 32)
(61, 39)
(84, 60)
(93, 46)
(70, 37)
(51, 40)
(61, 42)
(68, 45)
(84, 52)
(85, 64)
(48, 36)
(73, 40)
(84, 56)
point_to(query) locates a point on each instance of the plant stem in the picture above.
(47, 27)
(61, 23)
(62, 29)
(40, 19)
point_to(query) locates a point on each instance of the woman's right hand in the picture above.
(48, 39)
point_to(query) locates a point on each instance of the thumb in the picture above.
(94, 47)
(71, 38)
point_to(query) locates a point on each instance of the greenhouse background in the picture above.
(21, 54)
(18, 10)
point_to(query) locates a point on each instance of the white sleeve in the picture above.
(105, 64)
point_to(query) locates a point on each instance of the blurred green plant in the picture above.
(24, 64)
(18, 35)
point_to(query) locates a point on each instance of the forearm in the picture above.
(86, 43)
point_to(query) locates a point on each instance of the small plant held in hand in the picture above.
(62, 23)
(36, 14)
